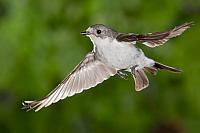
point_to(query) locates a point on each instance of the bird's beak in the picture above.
(85, 33)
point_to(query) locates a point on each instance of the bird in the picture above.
(114, 53)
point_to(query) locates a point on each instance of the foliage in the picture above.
(40, 43)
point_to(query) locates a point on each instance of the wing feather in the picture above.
(154, 39)
(87, 74)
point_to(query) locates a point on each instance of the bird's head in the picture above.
(99, 32)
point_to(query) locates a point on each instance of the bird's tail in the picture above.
(161, 66)
(140, 78)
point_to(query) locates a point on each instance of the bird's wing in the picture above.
(154, 39)
(85, 75)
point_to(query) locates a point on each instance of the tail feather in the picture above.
(165, 67)
(141, 80)
(151, 70)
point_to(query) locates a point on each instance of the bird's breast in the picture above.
(117, 54)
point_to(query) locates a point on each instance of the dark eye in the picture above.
(98, 31)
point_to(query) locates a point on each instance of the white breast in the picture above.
(119, 55)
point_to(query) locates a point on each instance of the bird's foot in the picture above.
(122, 74)
(134, 68)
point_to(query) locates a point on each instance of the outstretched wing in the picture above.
(87, 74)
(154, 39)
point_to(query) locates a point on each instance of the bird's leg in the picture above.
(122, 74)
(133, 69)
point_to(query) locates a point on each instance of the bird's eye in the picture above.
(98, 31)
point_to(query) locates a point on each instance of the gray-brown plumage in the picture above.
(140, 78)
(113, 52)
(87, 74)
(154, 39)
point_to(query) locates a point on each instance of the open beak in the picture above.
(85, 33)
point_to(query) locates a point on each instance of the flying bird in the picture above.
(113, 53)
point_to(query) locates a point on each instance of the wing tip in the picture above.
(189, 24)
(180, 29)
(31, 105)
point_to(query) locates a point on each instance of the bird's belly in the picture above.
(120, 56)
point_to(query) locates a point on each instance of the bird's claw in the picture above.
(122, 75)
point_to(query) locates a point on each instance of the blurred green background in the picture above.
(40, 44)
